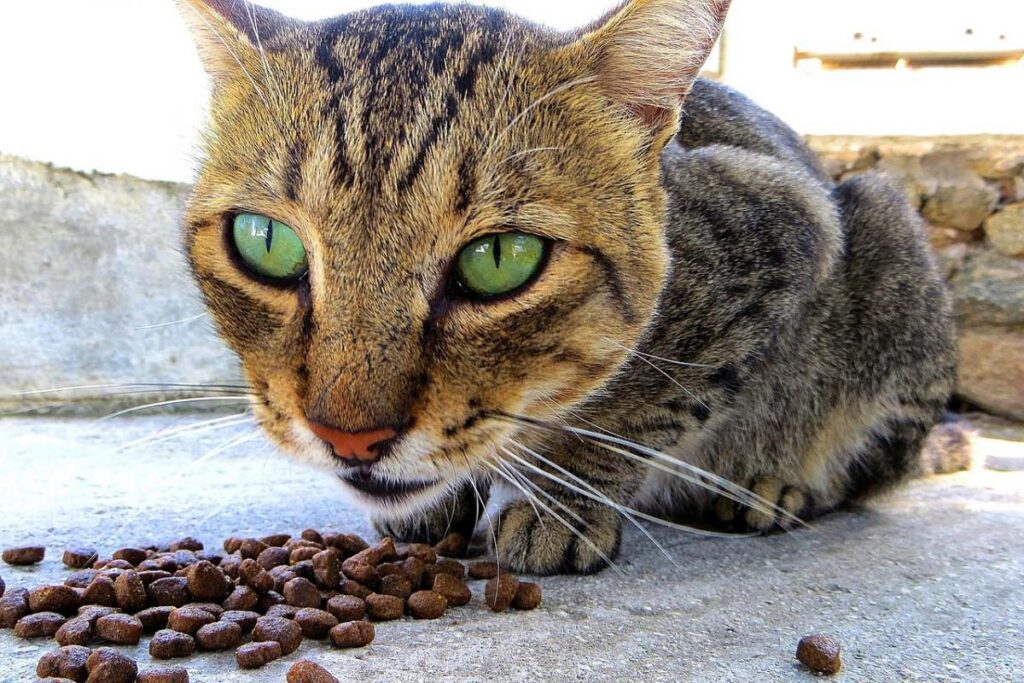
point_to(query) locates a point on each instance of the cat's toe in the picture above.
(790, 503)
(534, 543)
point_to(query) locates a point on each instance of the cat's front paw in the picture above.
(544, 545)
(791, 503)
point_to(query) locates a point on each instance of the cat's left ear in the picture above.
(647, 54)
(229, 31)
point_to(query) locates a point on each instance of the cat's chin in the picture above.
(390, 497)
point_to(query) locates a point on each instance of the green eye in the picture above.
(269, 248)
(499, 264)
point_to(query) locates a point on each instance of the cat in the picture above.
(455, 250)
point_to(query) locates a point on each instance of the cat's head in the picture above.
(411, 221)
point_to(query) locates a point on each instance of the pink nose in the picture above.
(358, 446)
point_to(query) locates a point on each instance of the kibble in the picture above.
(61, 599)
(210, 607)
(255, 655)
(397, 585)
(272, 557)
(301, 592)
(353, 634)
(220, 635)
(242, 599)
(276, 540)
(427, 605)
(164, 674)
(245, 620)
(100, 592)
(315, 623)
(80, 558)
(189, 620)
(327, 568)
(132, 556)
(207, 583)
(154, 618)
(305, 671)
(255, 576)
(455, 591)
(24, 556)
(483, 570)
(168, 644)
(528, 596)
(77, 631)
(187, 543)
(287, 633)
(820, 653)
(41, 625)
(109, 666)
(347, 607)
(384, 607)
(354, 588)
(130, 591)
(501, 591)
(121, 629)
(452, 545)
(65, 662)
(284, 611)
(13, 606)
(171, 592)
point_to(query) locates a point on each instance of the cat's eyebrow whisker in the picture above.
(190, 430)
(690, 473)
(652, 356)
(178, 401)
(579, 534)
(251, 13)
(605, 499)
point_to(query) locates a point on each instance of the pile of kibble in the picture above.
(260, 597)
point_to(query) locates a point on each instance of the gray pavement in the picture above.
(924, 585)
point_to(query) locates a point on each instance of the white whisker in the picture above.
(161, 404)
(190, 429)
(173, 322)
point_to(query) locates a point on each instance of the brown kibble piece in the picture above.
(268, 600)
(168, 644)
(347, 608)
(232, 545)
(81, 578)
(130, 591)
(301, 592)
(151, 576)
(65, 662)
(302, 554)
(109, 666)
(455, 591)
(255, 655)
(187, 543)
(13, 606)
(305, 671)
(24, 556)
(94, 612)
(132, 556)
(255, 576)
(276, 540)
(422, 551)
(413, 570)
(384, 607)
(245, 620)
(242, 599)
(427, 605)
(820, 653)
(284, 610)
(220, 635)
(59, 598)
(348, 544)
(528, 596)
(353, 634)
(359, 570)
(189, 619)
(164, 674)
(501, 591)
(315, 623)
(41, 625)
(79, 558)
(154, 618)
(287, 633)
(483, 570)
(121, 629)
(211, 607)
(354, 588)
(272, 557)
(327, 568)
(251, 548)
(397, 585)
(77, 631)
(100, 592)
(452, 545)
(169, 592)
(207, 583)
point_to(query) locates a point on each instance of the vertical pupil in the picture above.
(497, 251)
(270, 234)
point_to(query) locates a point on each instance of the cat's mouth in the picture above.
(364, 481)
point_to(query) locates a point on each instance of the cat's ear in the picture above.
(648, 53)
(226, 31)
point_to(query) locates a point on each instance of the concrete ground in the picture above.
(925, 585)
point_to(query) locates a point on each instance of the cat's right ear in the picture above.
(228, 32)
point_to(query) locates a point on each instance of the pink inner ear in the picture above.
(652, 116)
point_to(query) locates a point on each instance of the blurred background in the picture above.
(103, 101)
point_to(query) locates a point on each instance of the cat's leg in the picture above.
(558, 530)
(793, 503)
(454, 513)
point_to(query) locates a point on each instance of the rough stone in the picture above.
(992, 370)
(964, 207)
(1005, 229)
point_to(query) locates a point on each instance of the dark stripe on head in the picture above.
(440, 123)
(466, 191)
(614, 282)
(293, 173)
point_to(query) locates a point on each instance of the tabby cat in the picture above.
(456, 250)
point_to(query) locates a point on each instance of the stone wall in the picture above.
(970, 192)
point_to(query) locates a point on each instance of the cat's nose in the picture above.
(355, 448)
